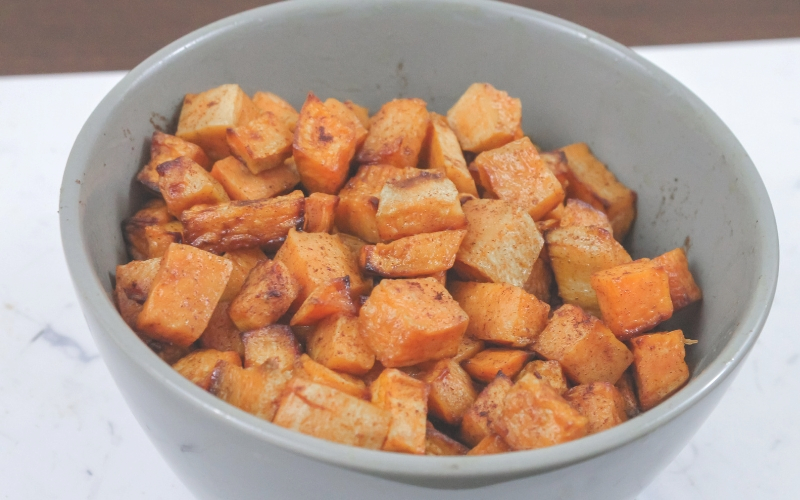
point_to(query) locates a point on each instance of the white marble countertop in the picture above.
(65, 431)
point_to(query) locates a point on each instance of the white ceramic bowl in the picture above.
(696, 186)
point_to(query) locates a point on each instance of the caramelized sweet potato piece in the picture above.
(154, 213)
(165, 147)
(438, 443)
(423, 204)
(285, 112)
(396, 133)
(444, 155)
(243, 224)
(406, 398)
(324, 144)
(501, 313)
(241, 184)
(320, 212)
(580, 213)
(633, 297)
(490, 445)
(337, 344)
(587, 350)
(517, 174)
(347, 115)
(261, 144)
(327, 299)
(133, 283)
(501, 244)
(451, 391)
(206, 117)
(243, 261)
(183, 295)
(600, 402)
(412, 256)
(476, 424)
(255, 390)
(406, 322)
(658, 366)
(321, 374)
(221, 334)
(682, 288)
(467, 348)
(159, 237)
(487, 364)
(547, 371)
(198, 366)
(184, 184)
(274, 345)
(485, 118)
(266, 295)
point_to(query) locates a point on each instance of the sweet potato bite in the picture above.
(412, 256)
(396, 133)
(485, 118)
(658, 366)
(164, 148)
(261, 144)
(241, 184)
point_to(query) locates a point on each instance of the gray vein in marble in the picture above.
(65, 344)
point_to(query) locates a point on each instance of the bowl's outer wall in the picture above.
(697, 188)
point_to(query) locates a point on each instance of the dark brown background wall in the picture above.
(49, 36)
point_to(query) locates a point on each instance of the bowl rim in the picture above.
(495, 467)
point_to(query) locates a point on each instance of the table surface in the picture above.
(65, 431)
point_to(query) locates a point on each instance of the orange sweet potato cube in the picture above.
(154, 213)
(359, 199)
(576, 253)
(592, 182)
(321, 374)
(444, 155)
(183, 295)
(328, 299)
(658, 366)
(241, 184)
(165, 147)
(423, 204)
(587, 350)
(261, 144)
(159, 237)
(633, 297)
(206, 117)
(274, 345)
(326, 413)
(451, 391)
(184, 184)
(198, 366)
(255, 390)
(320, 212)
(627, 389)
(406, 398)
(556, 161)
(547, 371)
(412, 256)
(600, 402)
(324, 144)
(266, 295)
(243, 224)
(347, 115)
(243, 261)
(467, 348)
(337, 344)
(501, 313)
(476, 423)
(580, 213)
(517, 174)
(490, 445)
(406, 322)
(535, 416)
(440, 444)
(221, 334)
(682, 288)
(485, 118)
(487, 364)
(501, 245)
(396, 134)
(133, 283)
(285, 112)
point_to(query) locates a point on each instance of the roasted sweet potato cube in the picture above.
(347, 115)
(184, 184)
(633, 297)
(183, 295)
(600, 402)
(419, 255)
(580, 213)
(540, 282)
(444, 155)
(241, 184)
(535, 416)
(682, 288)
(262, 144)
(576, 253)
(406, 322)
(476, 423)
(501, 313)
(556, 161)
(133, 283)
(487, 364)
(361, 113)
(423, 204)
(501, 244)
(490, 445)
(154, 213)
(592, 182)
(626, 388)
(320, 212)
(587, 350)
(159, 237)
(324, 144)
(658, 366)
(256, 390)
(485, 118)
(406, 398)
(165, 147)
(221, 334)
(547, 371)
(316, 259)
(451, 391)
(359, 199)
(285, 112)
(328, 299)
(243, 224)
(438, 443)
(266, 295)
(274, 345)
(205, 117)
(337, 344)
(321, 374)
(243, 261)
(396, 134)
(517, 174)
(467, 348)
(198, 366)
